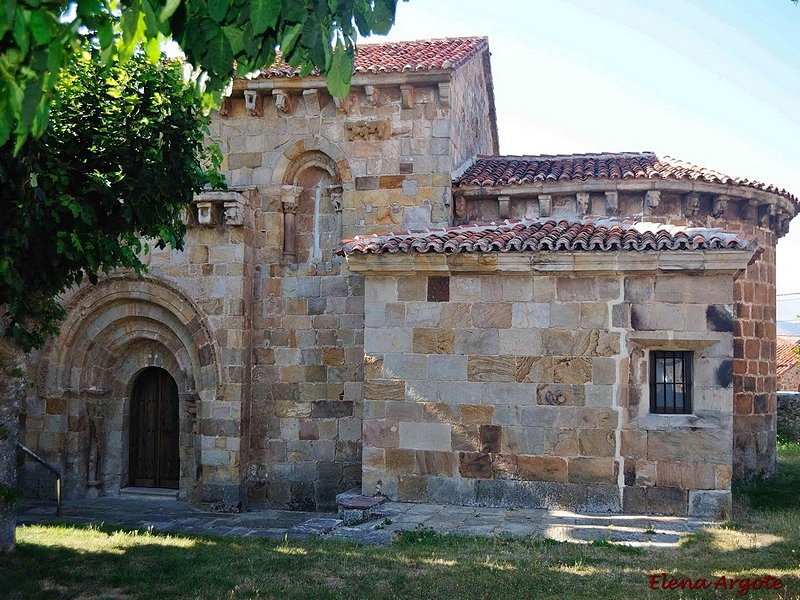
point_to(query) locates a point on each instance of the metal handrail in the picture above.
(50, 468)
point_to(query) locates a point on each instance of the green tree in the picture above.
(36, 42)
(122, 157)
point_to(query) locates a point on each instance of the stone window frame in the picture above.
(687, 381)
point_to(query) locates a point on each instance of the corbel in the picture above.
(311, 98)
(444, 94)
(461, 207)
(205, 214)
(692, 204)
(504, 206)
(253, 103)
(335, 192)
(283, 102)
(407, 92)
(373, 94)
(720, 206)
(612, 202)
(651, 200)
(234, 215)
(582, 202)
(545, 205)
(225, 107)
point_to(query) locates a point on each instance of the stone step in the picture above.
(355, 508)
(143, 493)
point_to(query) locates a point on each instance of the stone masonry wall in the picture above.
(510, 395)
(789, 415)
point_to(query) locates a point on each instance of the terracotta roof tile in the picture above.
(522, 170)
(551, 235)
(395, 57)
(785, 357)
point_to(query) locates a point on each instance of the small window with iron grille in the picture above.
(671, 382)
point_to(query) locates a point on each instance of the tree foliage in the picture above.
(36, 42)
(122, 157)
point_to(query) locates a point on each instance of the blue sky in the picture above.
(712, 82)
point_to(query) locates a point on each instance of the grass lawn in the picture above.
(70, 562)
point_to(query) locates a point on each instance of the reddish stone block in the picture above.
(475, 465)
(668, 474)
(542, 468)
(491, 438)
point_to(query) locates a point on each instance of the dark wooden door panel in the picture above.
(154, 430)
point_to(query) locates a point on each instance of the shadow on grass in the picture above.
(781, 492)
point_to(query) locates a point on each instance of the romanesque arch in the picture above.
(113, 332)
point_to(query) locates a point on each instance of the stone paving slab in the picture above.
(176, 517)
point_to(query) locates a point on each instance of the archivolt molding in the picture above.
(286, 164)
(104, 320)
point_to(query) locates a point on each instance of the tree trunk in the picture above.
(12, 392)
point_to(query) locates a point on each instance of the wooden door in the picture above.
(154, 460)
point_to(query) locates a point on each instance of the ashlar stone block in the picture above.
(491, 368)
(425, 436)
(542, 468)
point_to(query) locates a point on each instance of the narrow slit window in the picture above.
(671, 382)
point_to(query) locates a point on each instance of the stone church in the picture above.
(382, 301)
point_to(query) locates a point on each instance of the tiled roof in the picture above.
(396, 57)
(522, 170)
(548, 235)
(785, 358)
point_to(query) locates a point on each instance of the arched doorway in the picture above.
(154, 440)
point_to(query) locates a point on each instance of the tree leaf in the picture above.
(289, 39)
(217, 9)
(340, 72)
(7, 16)
(169, 9)
(264, 15)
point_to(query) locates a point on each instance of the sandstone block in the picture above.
(668, 474)
(491, 368)
(405, 366)
(560, 395)
(565, 316)
(520, 342)
(433, 341)
(517, 288)
(530, 315)
(576, 289)
(491, 438)
(387, 339)
(667, 501)
(701, 445)
(465, 438)
(476, 341)
(432, 462)
(592, 470)
(380, 434)
(455, 315)
(425, 436)
(400, 462)
(557, 342)
(597, 442)
(604, 370)
(288, 409)
(542, 468)
(633, 444)
(594, 316)
(715, 505)
(385, 390)
(475, 465)
(534, 369)
(476, 414)
(522, 440)
(572, 370)
(491, 315)
(504, 466)
(412, 488)
(539, 416)
(447, 367)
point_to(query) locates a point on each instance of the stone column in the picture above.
(290, 196)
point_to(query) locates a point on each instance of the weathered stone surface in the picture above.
(491, 438)
(592, 470)
(542, 468)
(400, 462)
(534, 369)
(431, 462)
(705, 445)
(667, 501)
(633, 444)
(597, 442)
(493, 315)
(560, 395)
(504, 466)
(412, 488)
(716, 505)
(475, 464)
